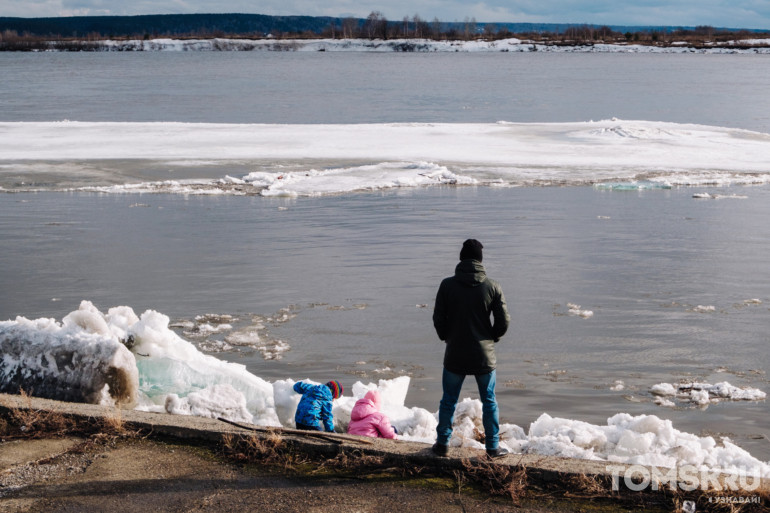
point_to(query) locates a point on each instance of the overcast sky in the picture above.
(718, 13)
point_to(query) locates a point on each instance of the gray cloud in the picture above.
(730, 13)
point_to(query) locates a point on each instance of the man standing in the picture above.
(462, 319)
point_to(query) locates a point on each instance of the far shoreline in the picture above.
(411, 45)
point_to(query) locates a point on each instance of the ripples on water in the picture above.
(359, 272)
(277, 87)
(343, 286)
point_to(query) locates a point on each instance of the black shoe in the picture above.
(440, 449)
(498, 452)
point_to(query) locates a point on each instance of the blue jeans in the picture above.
(452, 383)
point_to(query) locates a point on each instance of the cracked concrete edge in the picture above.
(182, 427)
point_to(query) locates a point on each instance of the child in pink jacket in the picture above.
(367, 420)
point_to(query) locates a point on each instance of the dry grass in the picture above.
(357, 461)
(18, 423)
(271, 450)
(26, 423)
(497, 479)
(585, 486)
(114, 424)
(274, 450)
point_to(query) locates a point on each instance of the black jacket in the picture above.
(462, 319)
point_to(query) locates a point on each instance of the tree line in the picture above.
(377, 26)
(84, 32)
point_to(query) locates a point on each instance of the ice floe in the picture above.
(706, 195)
(217, 333)
(703, 394)
(574, 309)
(610, 154)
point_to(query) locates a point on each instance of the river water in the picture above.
(347, 282)
(275, 87)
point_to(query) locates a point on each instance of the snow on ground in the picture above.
(173, 376)
(612, 153)
(417, 45)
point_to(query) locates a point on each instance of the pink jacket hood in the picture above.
(368, 405)
(367, 420)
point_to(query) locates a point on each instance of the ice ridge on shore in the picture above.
(169, 374)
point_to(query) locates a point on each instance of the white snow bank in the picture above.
(86, 358)
(169, 364)
(613, 153)
(79, 360)
(642, 440)
(751, 42)
(705, 393)
(412, 45)
(175, 377)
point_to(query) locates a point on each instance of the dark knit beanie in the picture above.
(471, 250)
(336, 388)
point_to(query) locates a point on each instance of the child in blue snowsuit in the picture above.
(314, 412)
